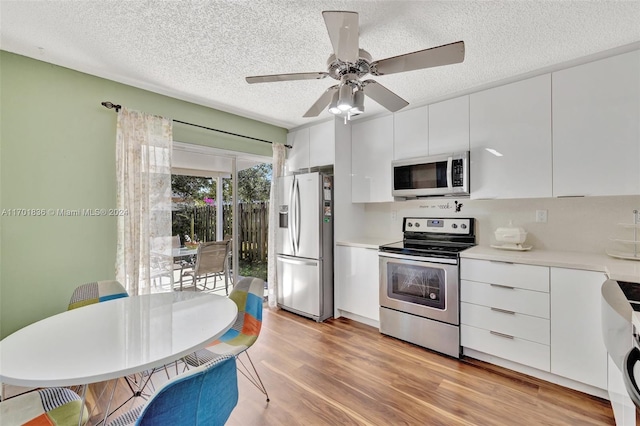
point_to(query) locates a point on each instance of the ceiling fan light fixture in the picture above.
(358, 103)
(333, 106)
(345, 98)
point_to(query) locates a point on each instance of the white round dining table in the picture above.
(113, 339)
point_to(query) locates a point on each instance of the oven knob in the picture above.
(417, 225)
(454, 226)
(409, 224)
(463, 226)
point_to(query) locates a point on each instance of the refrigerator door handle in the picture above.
(298, 214)
(297, 261)
(291, 218)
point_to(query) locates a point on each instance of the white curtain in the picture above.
(279, 154)
(143, 169)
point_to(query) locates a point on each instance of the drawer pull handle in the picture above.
(506, 336)
(504, 311)
(502, 286)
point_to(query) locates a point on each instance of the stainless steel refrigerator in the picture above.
(305, 245)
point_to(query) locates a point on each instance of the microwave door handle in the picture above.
(450, 173)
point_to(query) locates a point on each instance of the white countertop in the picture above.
(367, 242)
(616, 269)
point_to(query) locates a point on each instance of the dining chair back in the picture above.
(96, 292)
(203, 396)
(211, 261)
(51, 406)
(248, 295)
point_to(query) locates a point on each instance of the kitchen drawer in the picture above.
(529, 277)
(512, 299)
(519, 325)
(514, 349)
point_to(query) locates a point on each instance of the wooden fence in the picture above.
(253, 227)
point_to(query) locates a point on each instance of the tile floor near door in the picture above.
(342, 372)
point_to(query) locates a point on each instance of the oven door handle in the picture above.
(419, 258)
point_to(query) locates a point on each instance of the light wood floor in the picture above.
(342, 372)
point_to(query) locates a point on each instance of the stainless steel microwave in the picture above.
(437, 175)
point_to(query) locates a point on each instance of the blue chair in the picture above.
(202, 396)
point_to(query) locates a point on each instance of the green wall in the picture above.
(57, 151)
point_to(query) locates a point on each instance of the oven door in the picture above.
(420, 286)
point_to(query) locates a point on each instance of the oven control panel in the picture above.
(461, 226)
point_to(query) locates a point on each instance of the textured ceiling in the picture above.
(201, 51)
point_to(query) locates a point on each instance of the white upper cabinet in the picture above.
(510, 140)
(298, 156)
(312, 147)
(449, 126)
(322, 139)
(410, 133)
(371, 155)
(596, 128)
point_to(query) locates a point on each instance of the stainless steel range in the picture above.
(419, 282)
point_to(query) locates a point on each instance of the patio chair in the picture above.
(211, 261)
(96, 292)
(248, 294)
(203, 396)
(51, 406)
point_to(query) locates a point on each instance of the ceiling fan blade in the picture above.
(447, 54)
(343, 32)
(323, 101)
(383, 96)
(286, 77)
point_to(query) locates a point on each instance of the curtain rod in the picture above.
(111, 105)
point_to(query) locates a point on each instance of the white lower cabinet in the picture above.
(357, 281)
(577, 349)
(543, 317)
(505, 311)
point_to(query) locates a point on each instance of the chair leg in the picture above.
(255, 381)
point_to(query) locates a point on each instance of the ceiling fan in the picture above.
(348, 64)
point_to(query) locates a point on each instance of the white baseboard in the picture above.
(530, 371)
(356, 317)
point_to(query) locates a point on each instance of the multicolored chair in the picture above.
(203, 396)
(248, 294)
(96, 292)
(52, 406)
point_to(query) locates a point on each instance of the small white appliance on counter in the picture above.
(511, 238)
(304, 245)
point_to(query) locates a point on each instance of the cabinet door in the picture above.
(449, 126)
(577, 349)
(298, 156)
(357, 281)
(510, 130)
(371, 155)
(322, 144)
(410, 133)
(596, 128)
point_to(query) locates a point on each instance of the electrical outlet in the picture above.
(541, 216)
(394, 215)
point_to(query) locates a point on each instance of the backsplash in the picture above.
(573, 224)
